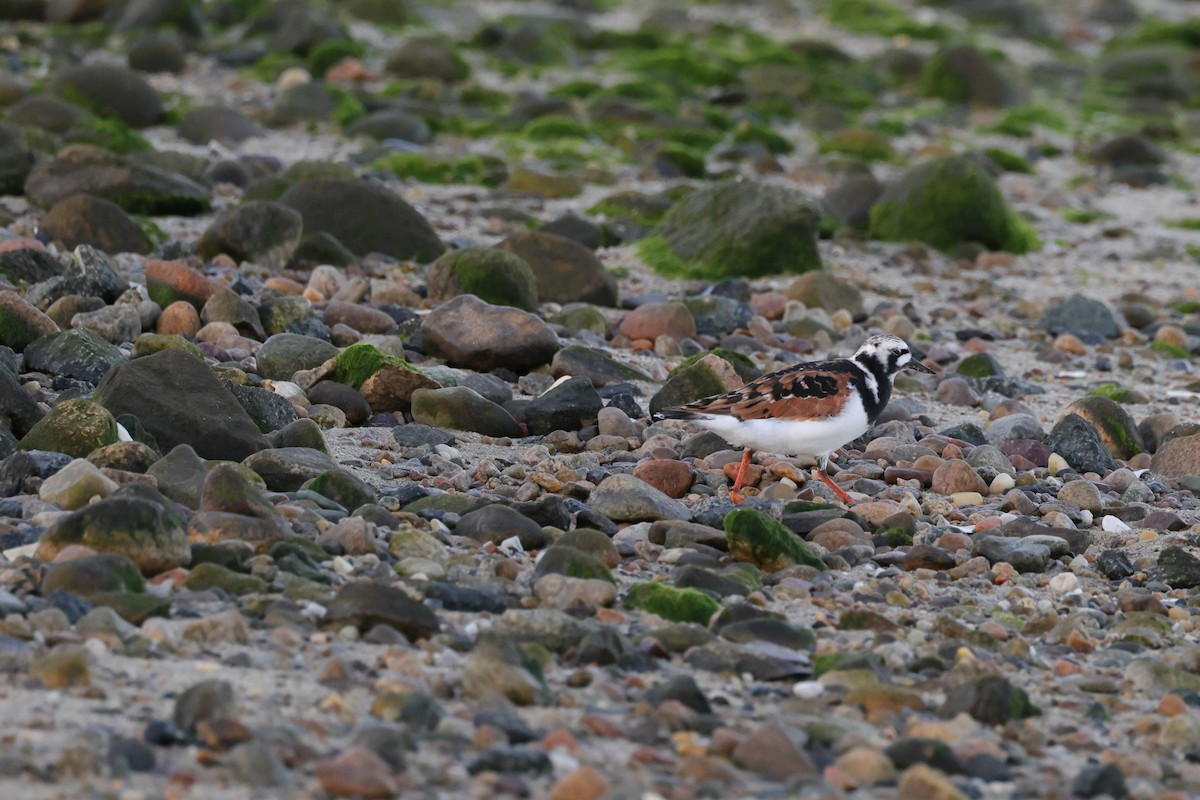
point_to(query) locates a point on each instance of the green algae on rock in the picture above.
(947, 202)
(736, 228)
(671, 603)
(360, 361)
(767, 544)
(494, 276)
(75, 427)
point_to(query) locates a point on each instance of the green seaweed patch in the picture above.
(766, 543)
(690, 163)
(474, 94)
(326, 54)
(268, 68)
(859, 142)
(1186, 32)
(1112, 390)
(682, 65)
(109, 133)
(346, 106)
(1192, 250)
(672, 603)
(1009, 162)
(553, 128)
(1188, 307)
(656, 96)
(472, 169)
(882, 19)
(1085, 216)
(360, 361)
(579, 89)
(183, 205)
(1021, 122)
(1170, 350)
(897, 537)
(837, 662)
(757, 133)
(1184, 223)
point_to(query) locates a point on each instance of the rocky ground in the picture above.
(330, 337)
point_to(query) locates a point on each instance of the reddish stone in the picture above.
(585, 783)
(356, 772)
(1031, 450)
(363, 319)
(672, 478)
(926, 556)
(956, 476)
(168, 281)
(769, 305)
(179, 317)
(652, 320)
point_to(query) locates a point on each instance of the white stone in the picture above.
(1064, 583)
(1056, 464)
(76, 484)
(1111, 524)
(808, 690)
(1001, 484)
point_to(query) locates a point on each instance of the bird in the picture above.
(808, 409)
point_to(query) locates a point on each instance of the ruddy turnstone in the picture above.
(808, 409)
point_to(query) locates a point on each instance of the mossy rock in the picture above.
(767, 544)
(742, 364)
(980, 365)
(494, 276)
(213, 576)
(865, 144)
(947, 202)
(133, 607)
(637, 207)
(1118, 431)
(736, 228)
(358, 362)
(75, 427)
(343, 488)
(671, 603)
(574, 563)
(710, 375)
(966, 74)
(474, 169)
(150, 343)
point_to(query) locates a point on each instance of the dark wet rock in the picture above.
(568, 406)
(967, 74)
(343, 488)
(770, 751)
(179, 401)
(416, 435)
(217, 123)
(157, 53)
(302, 102)
(365, 217)
(75, 427)
(495, 523)
(469, 333)
(1178, 568)
(285, 469)
(1128, 149)
(284, 354)
(268, 410)
(262, 232)
(1060, 540)
(137, 188)
(180, 475)
(454, 597)
(203, 702)
(511, 760)
(83, 219)
(30, 264)
(716, 315)
(992, 700)
(736, 228)
(908, 751)
(1114, 564)
(214, 576)
(681, 689)
(301, 433)
(595, 365)
(909, 209)
(979, 365)
(365, 604)
(1081, 315)
(460, 408)
(347, 398)
(1100, 780)
(572, 563)
(47, 112)
(691, 576)
(1023, 556)
(624, 498)
(566, 272)
(391, 123)
(427, 57)
(90, 575)
(17, 406)
(1081, 444)
(1117, 429)
(109, 90)
(1015, 433)
(495, 276)
(150, 535)
(226, 305)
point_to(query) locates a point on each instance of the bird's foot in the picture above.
(845, 498)
(736, 497)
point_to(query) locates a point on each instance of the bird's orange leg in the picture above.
(836, 489)
(735, 494)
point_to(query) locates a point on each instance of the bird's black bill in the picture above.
(918, 366)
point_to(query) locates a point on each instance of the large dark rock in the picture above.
(1080, 443)
(137, 188)
(149, 534)
(259, 231)
(111, 91)
(365, 604)
(494, 276)
(468, 332)
(568, 406)
(179, 401)
(365, 217)
(77, 353)
(83, 219)
(566, 272)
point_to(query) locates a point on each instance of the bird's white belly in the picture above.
(791, 437)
